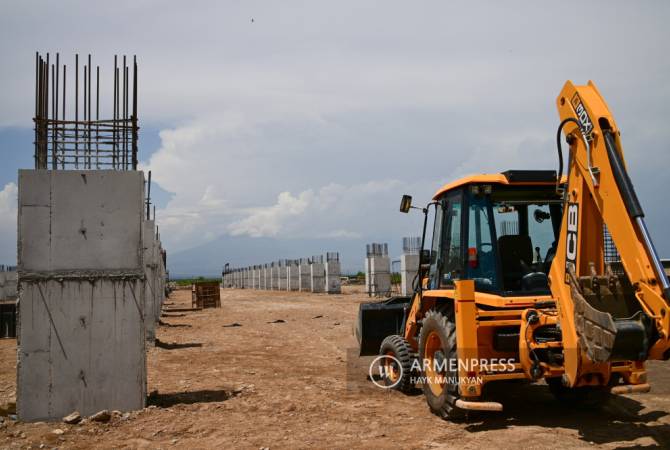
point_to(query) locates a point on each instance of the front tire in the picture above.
(437, 348)
(398, 372)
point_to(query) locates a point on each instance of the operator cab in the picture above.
(499, 230)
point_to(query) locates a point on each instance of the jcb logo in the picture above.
(582, 116)
(571, 238)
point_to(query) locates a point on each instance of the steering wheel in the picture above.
(486, 244)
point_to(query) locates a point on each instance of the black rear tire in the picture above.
(400, 376)
(437, 340)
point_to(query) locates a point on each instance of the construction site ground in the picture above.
(279, 370)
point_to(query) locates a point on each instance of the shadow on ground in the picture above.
(188, 398)
(176, 346)
(174, 325)
(621, 419)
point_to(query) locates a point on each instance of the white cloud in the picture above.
(268, 221)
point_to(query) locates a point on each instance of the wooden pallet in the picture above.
(205, 294)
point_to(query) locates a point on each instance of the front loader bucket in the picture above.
(378, 320)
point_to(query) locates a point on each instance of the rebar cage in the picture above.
(64, 139)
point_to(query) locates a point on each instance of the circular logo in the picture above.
(384, 363)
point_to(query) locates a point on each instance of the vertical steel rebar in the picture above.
(85, 117)
(126, 128)
(134, 117)
(116, 74)
(56, 91)
(75, 143)
(149, 196)
(53, 107)
(97, 117)
(76, 111)
(89, 113)
(45, 138)
(40, 158)
(63, 147)
(123, 115)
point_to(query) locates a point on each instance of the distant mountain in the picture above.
(208, 259)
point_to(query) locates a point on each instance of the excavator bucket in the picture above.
(602, 336)
(378, 320)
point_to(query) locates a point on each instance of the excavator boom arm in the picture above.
(600, 196)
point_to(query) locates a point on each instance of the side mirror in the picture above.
(405, 203)
(424, 259)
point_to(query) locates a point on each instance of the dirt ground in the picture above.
(298, 383)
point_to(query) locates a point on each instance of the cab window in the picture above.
(447, 251)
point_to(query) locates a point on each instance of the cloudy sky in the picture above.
(308, 120)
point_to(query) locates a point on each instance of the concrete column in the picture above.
(368, 277)
(409, 266)
(161, 281)
(81, 343)
(317, 275)
(379, 269)
(282, 285)
(293, 275)
(332, 270)
(274, 276)
(265, 277)
(151, 280)
(8, 283)
(304, 276)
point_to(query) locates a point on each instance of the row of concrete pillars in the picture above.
(378, 268)
(8, 283)
(304, 275)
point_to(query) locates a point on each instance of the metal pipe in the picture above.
(655, 260)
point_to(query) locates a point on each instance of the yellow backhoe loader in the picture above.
(531, 275)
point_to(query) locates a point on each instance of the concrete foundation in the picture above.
(377, 270)
(282, 275)
(293, 273)
(332, 271)
(8, 283)
(81, 340)
(317, 275)
(409, 265)
(380, 276)
(152, 295)
(274, 276)
(304, 276)
(257, 277)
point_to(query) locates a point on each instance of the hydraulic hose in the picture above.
(560, 148)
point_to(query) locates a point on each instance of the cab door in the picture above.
(447, 251)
